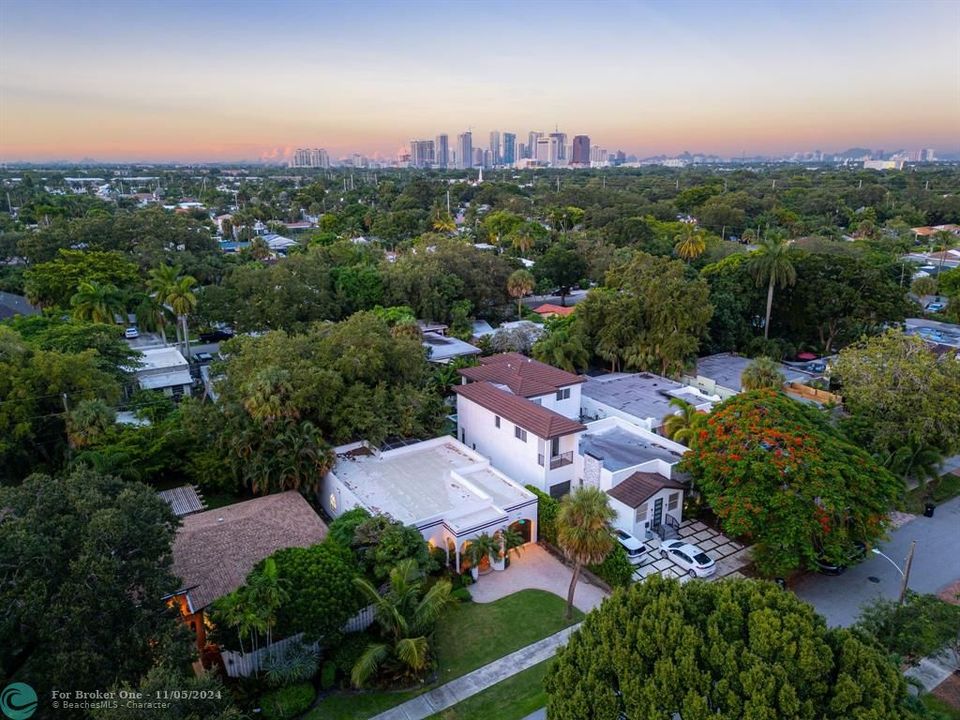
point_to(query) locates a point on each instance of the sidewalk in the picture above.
(432, 702)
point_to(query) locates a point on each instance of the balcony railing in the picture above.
(557, 460)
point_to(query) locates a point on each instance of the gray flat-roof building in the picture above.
(640, 398)
(720, 374)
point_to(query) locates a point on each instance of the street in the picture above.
(936, 563)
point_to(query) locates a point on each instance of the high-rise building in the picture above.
(421, 153)
(598, 154)
(548, 150)
(465, 150)
(509, 156)
(561, 139)
(580, 154)
(532, 139)
(442, 151)
(478, 157)
(495, 147)
(310, 158)
(489, 160)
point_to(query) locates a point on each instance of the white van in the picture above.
(633, 547)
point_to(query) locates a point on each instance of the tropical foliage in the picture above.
(583, 532)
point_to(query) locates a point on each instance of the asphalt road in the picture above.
(936, 564)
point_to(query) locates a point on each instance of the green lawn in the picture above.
(512, 699)
(468, 636)
(940, 491)
(932, 702)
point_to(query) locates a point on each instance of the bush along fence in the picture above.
(246, 664)
(615, 571)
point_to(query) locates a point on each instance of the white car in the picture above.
(131, 333)
(633, 547)
(691, 558)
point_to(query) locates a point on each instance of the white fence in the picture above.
(246, 664)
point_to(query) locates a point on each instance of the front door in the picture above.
(554, 447)
(657, 514)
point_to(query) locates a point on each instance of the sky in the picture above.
(135, 80)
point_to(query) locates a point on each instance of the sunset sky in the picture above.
(137, 80)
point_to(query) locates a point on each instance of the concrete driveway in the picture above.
(936, 564)
(729, 555)
(535, 569)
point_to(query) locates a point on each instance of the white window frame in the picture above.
(519, 433)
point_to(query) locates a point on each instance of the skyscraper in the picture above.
(548, 150)
(581, 150)
(465, 150)
(421, 153)
(532, 139)
(310, 158)
(442, 152)
(509, 148)
(495, 155)
(561, 139)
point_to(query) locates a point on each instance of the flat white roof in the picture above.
(430, 481)
(162, 358)
(156, 381)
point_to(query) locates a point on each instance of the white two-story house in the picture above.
(524, 416)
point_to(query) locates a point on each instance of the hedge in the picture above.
(616, 569)
(547, 509)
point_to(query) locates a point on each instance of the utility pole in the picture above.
(906, 572)
(448, 201)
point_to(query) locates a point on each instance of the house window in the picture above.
(559, 490)
(563, 394)
(538, 401)
(641, 515)
(519, 433)
(554, 447)
(496, 420)
(674, 501)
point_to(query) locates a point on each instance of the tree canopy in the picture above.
(729, 650)
(777, 472)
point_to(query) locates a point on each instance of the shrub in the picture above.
(295, 664)
(328, 673)
(616, 569)
(462, 594)
(349, 651)
(547, 509)
(342, 529)
(288, 702)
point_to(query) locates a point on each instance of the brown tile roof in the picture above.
(550, 309)
(542, 422)
(214, 551)
(639, 487)
(524, 376)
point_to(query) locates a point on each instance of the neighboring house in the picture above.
(450, 493)
(442, 349)
(635, 467)
(12, 305)
(523, 415)
(184, 500)
(934, 332)
(278, 243)
(164, 369)
(721, 374)
(547, 311)
(640, 398)
(215, 550)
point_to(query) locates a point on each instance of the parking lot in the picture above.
(729, 555)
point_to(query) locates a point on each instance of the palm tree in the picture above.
(406, 615)
(519, 284)
(915, 460)
(177, 292)
(749, 236)
(563, 346)
(153, 315)
(483, 547)
(763, 373)
(258, 249)
(96, 302)
(508, 541)
(772, 265)
(443, 222)
(583, 532)
(521, 240)
(690, 242)
(946, 240)
(266, 593)
(88, 422)
(301, 457)
(684, 426)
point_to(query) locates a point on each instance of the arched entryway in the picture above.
(524, 528)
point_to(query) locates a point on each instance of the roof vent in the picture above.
(219, 519)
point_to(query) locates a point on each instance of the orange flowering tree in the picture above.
(778, 473)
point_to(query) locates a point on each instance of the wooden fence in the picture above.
(246, 664)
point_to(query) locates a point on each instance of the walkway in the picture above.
(534, 568)
(432, 702)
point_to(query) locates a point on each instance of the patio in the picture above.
(729, 555)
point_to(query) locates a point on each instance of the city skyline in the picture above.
(243, 81)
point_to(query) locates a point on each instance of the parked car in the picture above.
(828, 567)
(936, 307)
(633, 547)
(215, 336)
(691, 558)
(131, 333)
(203, 358)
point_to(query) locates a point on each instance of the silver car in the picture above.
(691, 558)
(633, 547)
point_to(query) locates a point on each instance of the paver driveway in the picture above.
(729, 555)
